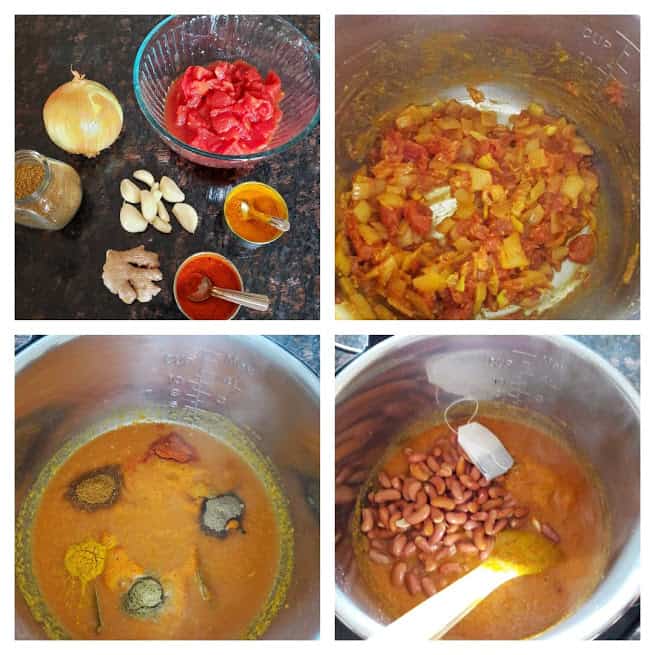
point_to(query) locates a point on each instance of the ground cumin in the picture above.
(28, 179)
(96, 489)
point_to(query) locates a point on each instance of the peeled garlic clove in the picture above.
(144, 176)
(187, 216)
(131, 219)
(162, 212)
(161, 226)
(148, 205)
(130, 191)
(170, 190)
(156, 194)
(155, 187)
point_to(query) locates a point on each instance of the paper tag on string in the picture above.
(484, 449)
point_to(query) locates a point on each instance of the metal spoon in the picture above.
(205, 289)
(250, 212)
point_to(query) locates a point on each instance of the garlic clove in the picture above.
(156, 194)
(186, 216)
(144, 176)
(162, 226)
(148, 205)
(162, 212)
(130, 191)
(170, 190)
(131, 219)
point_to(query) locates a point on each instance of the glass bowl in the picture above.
(266, 42)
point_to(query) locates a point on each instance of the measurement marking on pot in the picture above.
(520, 352)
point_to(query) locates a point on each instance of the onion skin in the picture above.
(83, 117)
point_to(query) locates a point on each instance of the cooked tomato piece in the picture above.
(390, 219)
(582, 248)
(419, 217)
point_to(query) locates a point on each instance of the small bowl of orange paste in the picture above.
(252, 232)
(221, 272)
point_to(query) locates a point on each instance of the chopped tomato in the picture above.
(419, 217)
(582, 249)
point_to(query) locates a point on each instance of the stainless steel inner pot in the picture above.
(384, 63)
(64, 385)
(555, 377)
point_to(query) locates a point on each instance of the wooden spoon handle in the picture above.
(436, 615)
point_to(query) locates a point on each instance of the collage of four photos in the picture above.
(471, 481)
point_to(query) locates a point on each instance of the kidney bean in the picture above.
(396, 483)
(479, 539)
(398, 574)
(422, 544)
(429, 490)
(479, 516)
(467, 547)
(368, 519)
(428, 528)
(393, 522)
(456, 518)
(432, 463)
(475, 473)
(450, 567)
(384, 480)
(492, 504)
(378, 544)
(415, 458)
(505, 512)
(470, 525)
(468, 482)
(377, 533)
(438, 484)
(386, 495)
(428, 586)
(460, 467)
(429, 563)
(409, 550)
(482, 497)
(496, 492)
(456, 490)
(438, 534)
(549, 532)
(398, 545)
(489, 523)
(483, 482)
(514, 523)
(443, 502)
(499, 526)
(420, 471)
(371, 496)
(436, 451)
(520, 512)
(484, 554)
(419, 515)
(445, 471)
(453, 538)
(421, 499)
(410, 488)
(383, 517)
(379, 557)
(412, 583)
(450, 457)
(452, 528)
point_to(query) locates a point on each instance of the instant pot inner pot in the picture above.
(513, 60)
(534, 379)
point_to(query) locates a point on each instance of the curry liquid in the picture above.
(155, 524)
(560, 490)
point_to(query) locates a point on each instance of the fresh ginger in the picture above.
(131, 274)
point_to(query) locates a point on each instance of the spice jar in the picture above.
(48, 192)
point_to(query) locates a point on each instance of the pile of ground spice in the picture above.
(172, 447)
(96, 489)
(28, 179)
(144, 598)
(220, 514)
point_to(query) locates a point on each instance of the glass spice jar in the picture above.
(57, 196)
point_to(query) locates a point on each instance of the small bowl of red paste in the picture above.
(228, 91)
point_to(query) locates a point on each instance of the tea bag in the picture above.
(484, 449)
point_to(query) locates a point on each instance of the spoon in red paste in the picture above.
(204, 289)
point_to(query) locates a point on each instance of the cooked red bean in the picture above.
(453, 538)
(396, 483)
(383, 517)
(520, 512)
(429, 563)
(500, 525)
(496, 492)
(438, 534)
(438, 484)
(377, 533)
(505, 512)
(456, 490)
(450, 567)
(445, 471)
(398, 574)
(456, 518)
(479, 516)
(483, 482)
(432, 463)
(420, 471)
(467, 547)
(422, 544)
(379, 557)
(410, 488)
(452, 528)
(367, 519)
(415, 458)
(482, 497)
(549, 532)
(484, 554)
(386, 495)
(436, 451)
(475, 473)
(393, 522)
(429, 490)
(412, 583)
(379, 544)
(470, 525)
(428, 586)
(409, 550)
(492, 504)
(443, 502)
(421, 499)
(384, 480)
(460, 468)
(398, 545)
(479, 539)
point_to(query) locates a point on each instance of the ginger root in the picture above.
(131, 273)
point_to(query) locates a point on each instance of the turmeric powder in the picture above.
(86, 560)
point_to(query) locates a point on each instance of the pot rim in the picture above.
(625, 595)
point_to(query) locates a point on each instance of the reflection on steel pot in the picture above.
(556, 378)
(68, 385)
(385, 63)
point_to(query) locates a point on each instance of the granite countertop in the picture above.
(58, 274)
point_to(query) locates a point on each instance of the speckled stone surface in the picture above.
(305, 347)
(58, 274)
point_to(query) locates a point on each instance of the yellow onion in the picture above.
(83, 117)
